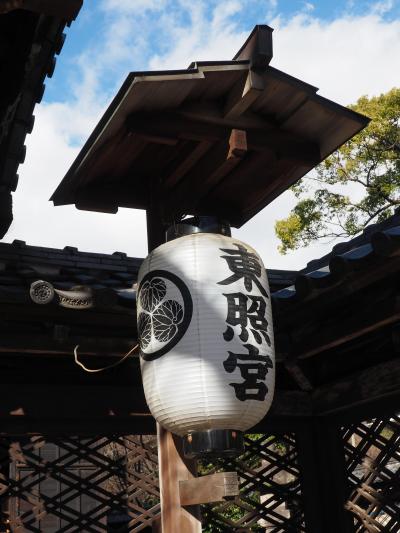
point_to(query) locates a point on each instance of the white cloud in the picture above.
(346, 57)
(381, 8)
(132, 6)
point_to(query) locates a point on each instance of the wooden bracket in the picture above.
(237, 144)
(208, 489)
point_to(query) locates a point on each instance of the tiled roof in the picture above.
(372, 248)
(68, 268)
(20, 265)
(29, 42)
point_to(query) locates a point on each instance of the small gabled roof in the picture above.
(222, 138)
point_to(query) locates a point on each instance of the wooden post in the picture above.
(321, 459)
(173, 468)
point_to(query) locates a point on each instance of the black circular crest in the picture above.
(165, 309)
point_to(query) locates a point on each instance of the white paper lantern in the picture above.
(206, 336)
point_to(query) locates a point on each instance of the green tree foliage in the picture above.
(367, 168)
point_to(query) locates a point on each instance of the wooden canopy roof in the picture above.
(222, 138)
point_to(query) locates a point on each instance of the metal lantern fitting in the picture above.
(206, 337)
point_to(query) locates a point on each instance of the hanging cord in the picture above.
(93, 370)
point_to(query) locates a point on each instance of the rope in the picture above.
(93, 370)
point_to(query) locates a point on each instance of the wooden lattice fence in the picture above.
(372, 450)
(72, 484)
(270, 489)
(105, 484)
(102, 484)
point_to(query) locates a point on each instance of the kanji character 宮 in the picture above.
(253, 369)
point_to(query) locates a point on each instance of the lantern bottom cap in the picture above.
(213, 443)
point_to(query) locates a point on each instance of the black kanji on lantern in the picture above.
(253, 369)
(248, 312)
(243, 264)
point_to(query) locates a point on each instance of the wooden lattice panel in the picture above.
(270, 490)
(73, 484)
(373, 467)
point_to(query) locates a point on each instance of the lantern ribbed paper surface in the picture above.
(206, 337)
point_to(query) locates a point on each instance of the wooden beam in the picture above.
(320, 329)
(208, 489)
(362, 388)
(298, 375)
(61, 315)
(187, 164)
(206, 122)
(206, 173)
(213, 114)
(242, 95)
(74, 409)
(36, 344)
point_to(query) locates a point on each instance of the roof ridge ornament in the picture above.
(258, 48)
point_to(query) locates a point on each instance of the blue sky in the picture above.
(151, 38)
(346, 48)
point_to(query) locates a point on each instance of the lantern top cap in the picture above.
(220, 138)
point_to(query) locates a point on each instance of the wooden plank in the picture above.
(173, 470)
(208, 489)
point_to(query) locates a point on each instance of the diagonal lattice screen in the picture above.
(372, 452)
(270, 490)
(105, 484)
(73, 484)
